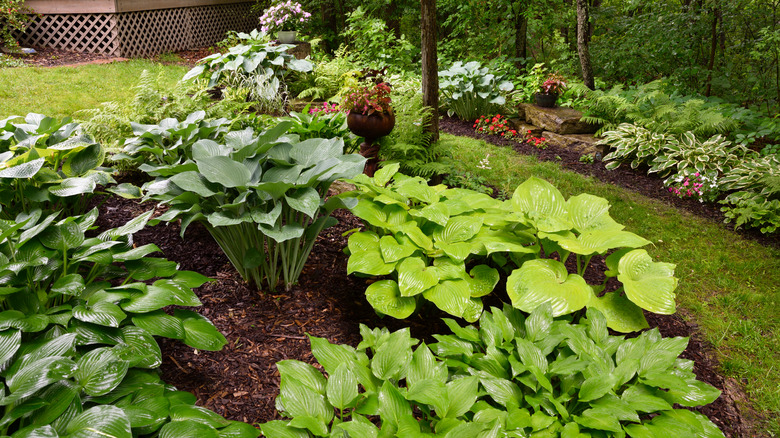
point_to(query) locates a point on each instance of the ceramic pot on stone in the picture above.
(546, 100)
(286, 36)
(371, 127)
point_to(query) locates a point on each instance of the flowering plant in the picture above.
(703, 187)
(495, 125)
(368, 99)
(283, 16)
(13, 17)
(553, 84)
(539, 142)
(326, 108)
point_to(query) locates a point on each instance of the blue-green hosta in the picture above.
(45, 163)
(78, 316)
(511, 377)
(260, 196)
(444, 246)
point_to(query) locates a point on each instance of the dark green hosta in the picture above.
(261, 197)
(511, 377)
(444, 246)
(78, 316)
(45, 163)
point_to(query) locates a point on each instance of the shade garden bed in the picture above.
(241, 381)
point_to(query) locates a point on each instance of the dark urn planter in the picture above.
(546, 100)
(371, 127)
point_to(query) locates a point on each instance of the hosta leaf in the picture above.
(302, 373)
(100, 371)
(598, 419)
(239, 430)
(543, 203)
(369, 262)
(356, 429)
(414, 277)
(589, 213)
(599, 241)
(298, 399)
(430, 392)
(342, 388)
(189, 413)
(385, 174)
(622, 315)
(547, 281)
(305, 200)
(37, 375)
(10, 340)
(313, 424)
(650, 285)
(63, 237)
(140, 348)
(310, 152)
(100, 422)
(424, 366)
(437, 213)
(24, 170)
(192, 182)
(461, 396)
(126, 190)
(697, 394)
(73, 187)
(280, 429)
(205, 148)
(451, 296)
(71, 284)
(131, 227)
(385, 297)
(18, 320)
(101, 313)
(331, 356)
(458, 229)
(596, 386)
(199, 332)
(177, 429)
(393, 251)
(283, 234)
(224, 171)
(392, 405)
(392, 356)
(80, 162)
(159, 323)
(482, 280)
(58, 396)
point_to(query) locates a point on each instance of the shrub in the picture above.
(469, 91)
(514, 376)
(445, 245)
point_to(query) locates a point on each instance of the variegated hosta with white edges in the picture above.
(452, 246)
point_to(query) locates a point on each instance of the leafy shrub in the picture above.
(323, 125)
(79, 315)
(330, 76)
(441, 245)
(514, 376)
(260, 197)
(13, 18)
(756, 200)
(469, 91)
(45, 163)
(752, 210)
(374, 46)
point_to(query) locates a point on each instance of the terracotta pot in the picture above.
(286, 36)
(371, 126)
(546, 100)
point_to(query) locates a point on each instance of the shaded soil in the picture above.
(50, 57)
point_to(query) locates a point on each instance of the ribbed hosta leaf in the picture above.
(160, 323)
(385, 297)
(309, 152)
(392, 251)
(303, 373)
(436, 213)
(192, 182)
(590, 213)
(458, 229)
(101, 313)
(9, 343)
(482, 280)
(24, 170)
(599, 241)
(224, 171)
(100, 422)
(541, 281)
(414, 277)
(73, 187)
(342, 388)
(543, 203)
(453, 297)
(305, 200)
(622, 315)
(649, 284)
(100, 371)
(369, 262)
(199, 332)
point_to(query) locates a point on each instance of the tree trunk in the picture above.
(392, 18)
(521, 32)
(582, 44)
(430, 68)
(713, 49)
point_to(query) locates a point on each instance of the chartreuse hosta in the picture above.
(45, 163)
(444, 246)
(512, 377)
(78, 316)
(260, 196)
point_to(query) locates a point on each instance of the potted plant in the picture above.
(369, 116)
(550, 88)
(283, 18)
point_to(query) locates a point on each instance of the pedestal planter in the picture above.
(546, 100)
(371, 127)
(286, 36)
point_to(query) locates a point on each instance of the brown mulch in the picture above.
(49, 57)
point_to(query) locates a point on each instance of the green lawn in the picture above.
(729, 286)
(61, 91)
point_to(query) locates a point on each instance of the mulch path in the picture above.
(241, 381)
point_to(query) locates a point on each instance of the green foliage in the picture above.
(9, 61)
(756, 202)
(79, 319)
(330, 76)
(469, 91)
(409, 144)
(514, 376)
(13, 18)
(46, 163)
(260, 196)
(444, 245)
(153, 102)
(752, 210)
(374, 46)
(468, 180)
(323, 125)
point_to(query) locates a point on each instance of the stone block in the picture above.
(559, 120)
(583, 143)
(522, 128)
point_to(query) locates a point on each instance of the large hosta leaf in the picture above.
(393, 251)
(385, 297)
(590, 213)
(305, 200)
(454, 297)
(543, 204)
(73, 187)
(224, 171)
(24, 170)
(649, 284)
(100, 371)
(369, 262)
(458, 229)
(598, 241)
(100, 422)
(199, 332)
(541, 281)
(415, 277)
(622, 315)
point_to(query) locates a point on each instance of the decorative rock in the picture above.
(301, 50)
(584, 143)
(522, 128)
(558, 120)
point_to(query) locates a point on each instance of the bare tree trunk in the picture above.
(521, 32)
(393, 18)
(713, 50)
(430, 67)
(582, 44)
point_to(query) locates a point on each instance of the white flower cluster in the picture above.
(484, 163)
(283, 16)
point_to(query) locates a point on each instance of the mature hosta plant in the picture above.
(469, 91)
(444, 245)
(78, 316)
(45, 163)
(688, 154)
(512, 377)
(323, 125)
(632, 144)
(261, 197)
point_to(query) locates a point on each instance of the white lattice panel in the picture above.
(142, 33)
(92, 33)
